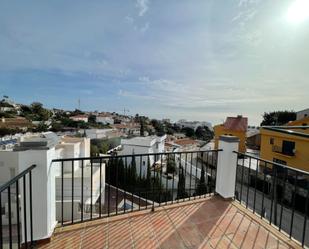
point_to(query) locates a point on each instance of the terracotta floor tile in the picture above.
(221, 243)
(190, 235)
(172, 241)
(213, 223)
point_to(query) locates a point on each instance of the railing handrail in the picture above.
(16, 178)
(130, 155)
(271, 162)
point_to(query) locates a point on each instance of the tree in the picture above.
(158, 127)
(142, 130)
(181, 188)
(188, 131)
(132, 175)
(201, 187)
(148, 177)
(170, 165)
(278, 117)
(42, 127)
(94, 151)
(203, 133)
(92, 119)
(121, 173)
(37, 112)
(77, 112)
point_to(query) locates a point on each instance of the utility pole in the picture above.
(125, 111)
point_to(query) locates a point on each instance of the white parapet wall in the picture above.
(226, 167)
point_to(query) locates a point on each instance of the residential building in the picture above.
(41, 149)
(299, 122)
(7, 109)
(253, 138)
(179, 135)
(80, 118)
(288, 145)
(233, 126)
(183, 123)
(229, 210)
(170, 146)
(302, 114)
(130, 129)
(105, 119)
(101, 133)
(143, 145)
(187, 144)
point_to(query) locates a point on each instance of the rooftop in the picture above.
(143, 141)
(238, 123)
(185, 141)
(202, 223)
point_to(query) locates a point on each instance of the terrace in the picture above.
(203, 223)
(213, 199)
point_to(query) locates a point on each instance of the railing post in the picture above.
(226, 167)
(39, 212)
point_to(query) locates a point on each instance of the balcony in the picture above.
(212, 199)
(282, 151)
(203, 223)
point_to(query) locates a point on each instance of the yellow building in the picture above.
(287, 145)
(233, 126)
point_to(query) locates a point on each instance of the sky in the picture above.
(178, 59)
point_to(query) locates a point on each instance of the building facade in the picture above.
(286, 145)
(302, 114)
(105, 119)
(41, 149)
(80, 118)
(233, 126)
(143, 145)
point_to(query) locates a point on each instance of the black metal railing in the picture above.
(95, 187)
(276, 192)
(16, 225)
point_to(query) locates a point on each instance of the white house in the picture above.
(143, 145)
(104, 119)
(302, 114)
(80, 118)
(100, 133)
(41, 149)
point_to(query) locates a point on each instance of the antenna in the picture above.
(78, 103)
(125, 111)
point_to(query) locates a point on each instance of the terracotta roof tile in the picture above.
(236, 123)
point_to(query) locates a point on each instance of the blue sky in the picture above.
(199, 60)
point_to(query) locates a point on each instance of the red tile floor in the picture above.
(204, 223)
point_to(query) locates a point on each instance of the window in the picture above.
(288, 148)
(2, 210)
(271, 140)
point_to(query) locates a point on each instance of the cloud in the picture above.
(129, 19)
(142, 6)
(144, 28)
